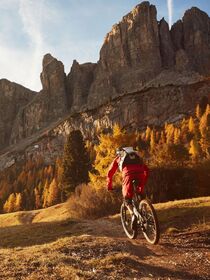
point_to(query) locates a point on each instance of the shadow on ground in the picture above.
(37, 233)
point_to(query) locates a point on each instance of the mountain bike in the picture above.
(145, 218)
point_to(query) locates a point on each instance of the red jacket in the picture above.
(129, 172)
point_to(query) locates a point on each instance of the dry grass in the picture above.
(87, 202)
(181, 214)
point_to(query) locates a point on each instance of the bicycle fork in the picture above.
(140, 220)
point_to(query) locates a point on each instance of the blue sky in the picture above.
(68, 29)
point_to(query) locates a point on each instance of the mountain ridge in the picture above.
(146, 75)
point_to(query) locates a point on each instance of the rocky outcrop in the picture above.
(49, 105)
(79, 81)
(192, 37)
(129, 57)
(196, 26)
(166, 46)
(177, 35)
(139, 48)
(153, 107)
(53, 81)
(12, 98)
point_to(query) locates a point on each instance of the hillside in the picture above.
(50, 244)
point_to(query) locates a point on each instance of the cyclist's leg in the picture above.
(127, 188)
(129, 205)
(141, 187)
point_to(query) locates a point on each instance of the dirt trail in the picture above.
(184, 255)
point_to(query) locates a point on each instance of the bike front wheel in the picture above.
(150, 226)
(126, 219)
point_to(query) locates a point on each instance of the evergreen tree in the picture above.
(162, 138)
(53, 196)
(169, 130)
(170, 155)
(147, 133)
(198, 112)
(45, 194)
(191, 125)
(6, 206)
(204, 127)
(18, 202)
(38, 198)
(152, 141)
(9, 205)
(195, 149)
(76, 163)
(177, 136)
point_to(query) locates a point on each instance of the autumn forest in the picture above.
(178, 153)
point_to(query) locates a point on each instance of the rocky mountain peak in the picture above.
(191, 35)
(12, 98)
(52, 74)
(142, 63)
(48, 58)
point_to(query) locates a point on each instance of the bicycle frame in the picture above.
(146, 218)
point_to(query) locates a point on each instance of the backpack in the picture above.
(128, 157)
(132, 158)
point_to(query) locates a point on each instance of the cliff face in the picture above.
(129, 57)
(146, 74)
(47, 106)
(12, 98)
(79, 81)
(191, 40)
(140, 49)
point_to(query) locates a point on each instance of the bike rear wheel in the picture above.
(150, 226)
(126, 222)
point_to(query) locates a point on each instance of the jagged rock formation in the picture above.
(146, 74)
(167, 50)
(47, 106)
(12, 98)
(79, 81)
(191, 39)
(139, 48)
(53, 81)
(129, 57)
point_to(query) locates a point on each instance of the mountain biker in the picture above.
(132, 167)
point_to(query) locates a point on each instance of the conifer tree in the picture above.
(9, 205)
(152, 141)
(194, 149)
(204, 127)
(38, 198)
(18, 202)
(177, 136)
(169, 130)
(6, 206)
(76, 163)
(191, 125)
(45, 194)
(198, 112)
(53, 195)
(162, 138)
(147, 133)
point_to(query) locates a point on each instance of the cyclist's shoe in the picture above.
(133, 222)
